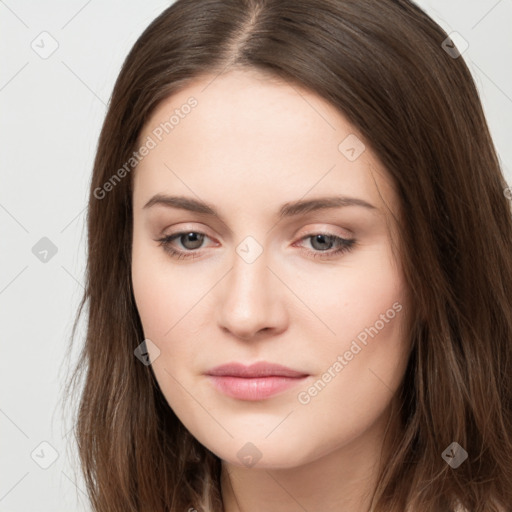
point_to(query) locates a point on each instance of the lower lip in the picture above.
(257, 388)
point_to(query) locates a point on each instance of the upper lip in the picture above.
(260, 369)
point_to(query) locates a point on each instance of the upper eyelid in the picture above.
(347, 235)
(172, 237)
(178, 234)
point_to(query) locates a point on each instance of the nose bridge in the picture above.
(249, 273)
(248, 283)
(248, 301)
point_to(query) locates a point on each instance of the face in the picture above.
(262, 234)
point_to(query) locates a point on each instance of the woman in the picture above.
(299, 278)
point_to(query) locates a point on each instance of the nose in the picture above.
(251, 300)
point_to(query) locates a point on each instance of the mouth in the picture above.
(255, 382)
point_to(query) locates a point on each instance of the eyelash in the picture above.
(345, 245)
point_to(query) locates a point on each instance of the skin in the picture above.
(251, 145)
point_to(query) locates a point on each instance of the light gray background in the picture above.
(51, 115)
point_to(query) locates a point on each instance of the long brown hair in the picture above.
(383, 65)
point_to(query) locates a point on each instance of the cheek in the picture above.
(163, 292)
(362, 367)
(149, 291)
(367, 356)
(173, 306)
(363, 298)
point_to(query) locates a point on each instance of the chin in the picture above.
(265, 454)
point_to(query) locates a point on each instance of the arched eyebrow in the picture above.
(289, 209)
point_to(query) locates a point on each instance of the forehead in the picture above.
(252, 136)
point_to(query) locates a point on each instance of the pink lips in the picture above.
(255, 382)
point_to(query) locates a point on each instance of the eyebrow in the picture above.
(289, 209)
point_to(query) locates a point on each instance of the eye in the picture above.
(190, 240)
(322, 244)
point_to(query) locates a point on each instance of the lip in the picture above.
(254, 382)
